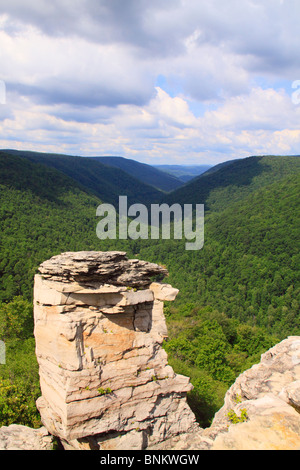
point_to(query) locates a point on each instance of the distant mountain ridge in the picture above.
(42, 211)
(109, 177)
(147, 173)
(184, 172)
(232, 181)
(106, 182)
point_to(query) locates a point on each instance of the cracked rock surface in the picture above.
(99, 328)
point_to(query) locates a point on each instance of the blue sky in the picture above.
(178, 81)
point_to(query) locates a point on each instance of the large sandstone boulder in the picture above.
(104, 376)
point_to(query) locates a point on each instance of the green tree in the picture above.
(16, 319)
(17, 404)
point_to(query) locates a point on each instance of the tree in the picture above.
(16, 319)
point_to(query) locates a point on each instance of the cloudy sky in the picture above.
(172, 81)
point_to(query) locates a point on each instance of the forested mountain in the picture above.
(238, 295)
(148, 174)
(42, 212)
(184, 172)
(227, 183)
(248, 267)
(104, 181)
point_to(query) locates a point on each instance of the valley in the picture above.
(238, 295)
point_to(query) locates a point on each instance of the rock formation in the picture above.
(261, 409)
(17, 437)
(104, 376)
(268, 396)
(105, 380)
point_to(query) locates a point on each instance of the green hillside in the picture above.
(226, 183)
(104, 181)
(249, 265)
(238, 296)
(42, 212)
(143, 172)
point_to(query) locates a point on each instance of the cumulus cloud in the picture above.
(65, 70)
(82, 77)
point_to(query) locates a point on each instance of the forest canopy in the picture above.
(239, 294)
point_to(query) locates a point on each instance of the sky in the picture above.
(161, 82)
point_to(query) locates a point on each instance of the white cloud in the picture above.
(165, 130)
(81, 77)
(260, 109)
(68, 70)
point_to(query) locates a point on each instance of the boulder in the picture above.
(264, 403)
(17, 437)
(104, 376)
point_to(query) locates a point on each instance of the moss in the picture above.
(234, 418)
(104, 391)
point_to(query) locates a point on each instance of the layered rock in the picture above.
(266, 401)
(104, 376)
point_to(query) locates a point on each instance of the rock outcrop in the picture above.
(105, 380)
(104, 376)
(17, 437)
(261, 409)
(266, 401)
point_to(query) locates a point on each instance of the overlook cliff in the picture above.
(105, 379)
